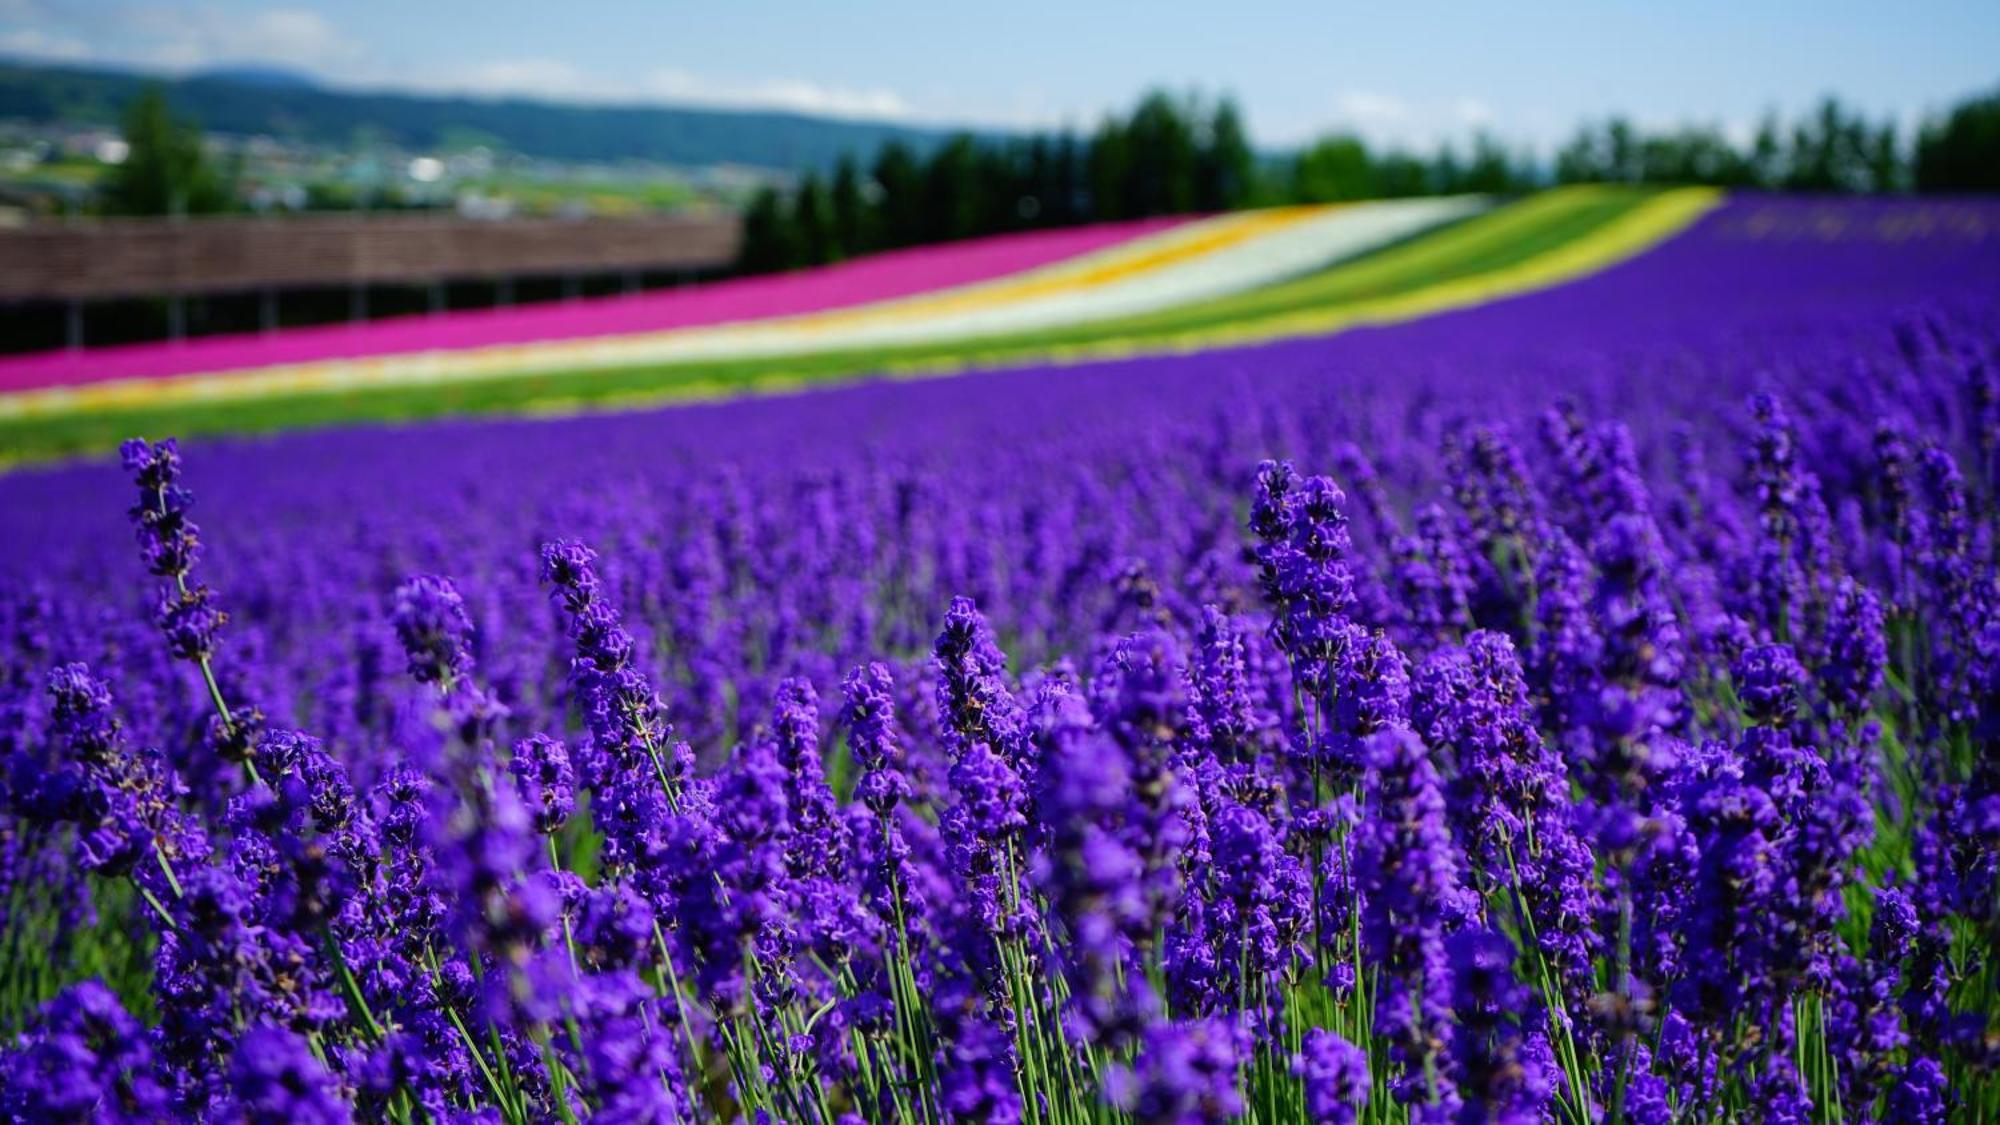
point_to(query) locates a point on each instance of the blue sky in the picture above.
(1405, 73)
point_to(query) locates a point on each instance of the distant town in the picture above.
(51, 171)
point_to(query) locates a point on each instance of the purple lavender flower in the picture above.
(482, 846)
(983, 730)
(1408, 871)
(877, 749)
(83, 1059)
(124, 803)
(435, 632)
(170, 542)
(273, 1076)
(1857, 648)
(1093, 872)
(1302, 556)
(1433, 580)
(541, 768)
(633, 759)
(820, 842)
(973, 698)
(1335, 1073)
(1508, 795)
(1186, 1074)
(1921, 1097)
(1224, 715)
(1499, 1075)
(1768, 679)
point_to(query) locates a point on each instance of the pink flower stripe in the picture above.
(879, 277)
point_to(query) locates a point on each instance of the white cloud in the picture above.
(1364, 109)
(795, 94)
(178, 40)
(551, 78)
(35, 43)
(1472, 113)
(1390, 119)
(181, 38)
(191, 39)
(559, 80)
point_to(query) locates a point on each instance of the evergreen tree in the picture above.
(1109, 172)
(1492, 168)
(812, 218)
(900, 210)
(1767, 155)
(1225, 165)
(1399, 174)
(1069, 200)
(165, 170)
(1333, 169)
(954, 196)
(1160, 173)
(1961, 152)
(770, 241)
(848, 200)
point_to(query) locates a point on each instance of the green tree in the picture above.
(1961, 152)
(1332, 169)
(1160, 174)
(812, 218)
(1069, 190)
(1447, 175)
(1767, 155)
(1110, 171)
(1224, 166)
(848, 199)
(1492, 168)
(1400, 174)
(954, 192)
(1583, 160)
(1836, 150)
(899, 180)
(165, 170)
(770, 241)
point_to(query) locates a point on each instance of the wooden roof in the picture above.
(148, 257)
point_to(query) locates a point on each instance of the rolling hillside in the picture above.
(251, 103)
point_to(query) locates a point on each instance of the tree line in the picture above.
(1184, 154)
(1170, 156)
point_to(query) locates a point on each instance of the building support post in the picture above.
(73, 324)
(176, 318)
(267, 309)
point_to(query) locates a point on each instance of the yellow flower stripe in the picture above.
(1640, 229)
(1090, 271)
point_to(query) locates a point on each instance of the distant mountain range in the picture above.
(263, 100)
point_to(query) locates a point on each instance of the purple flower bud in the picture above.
(1335, 1073)
(1768, 679)
(548, 785)
(435, 633)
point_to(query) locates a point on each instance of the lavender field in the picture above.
(1585, 707)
